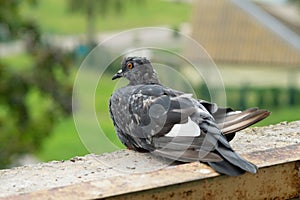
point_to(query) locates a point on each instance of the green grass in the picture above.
(53, 16)
(63, 143)
(281, 114)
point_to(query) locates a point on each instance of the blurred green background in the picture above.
(56, 35)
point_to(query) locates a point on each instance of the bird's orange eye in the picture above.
(129, 65)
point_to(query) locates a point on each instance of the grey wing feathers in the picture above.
(157, 110)
(188, 155)
(154, 110)
(185, 149)
(212, 148)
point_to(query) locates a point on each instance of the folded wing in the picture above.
(157, 112)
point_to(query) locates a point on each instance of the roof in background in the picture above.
(239, 31)
(288, 14)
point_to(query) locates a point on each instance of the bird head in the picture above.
(138, 70)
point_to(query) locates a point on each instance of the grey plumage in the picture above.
(149, 117)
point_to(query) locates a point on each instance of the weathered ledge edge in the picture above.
(277, 154)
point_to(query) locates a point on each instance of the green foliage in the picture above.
(9, 18)
(33, 99)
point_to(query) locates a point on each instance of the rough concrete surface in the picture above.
(268, 137)
(91, 167)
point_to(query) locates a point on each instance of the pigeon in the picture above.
(150, 117)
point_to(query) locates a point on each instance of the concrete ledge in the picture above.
(126, 174)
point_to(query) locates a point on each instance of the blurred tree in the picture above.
(90, 8)
(32, 98)
(93, 7)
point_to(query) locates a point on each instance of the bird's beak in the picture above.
(119, 74)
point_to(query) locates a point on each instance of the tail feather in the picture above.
(225, 167)
(232, 164)
(234, 122)
(230, 121)
(236, 160)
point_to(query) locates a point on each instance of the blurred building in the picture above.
(249, 42)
